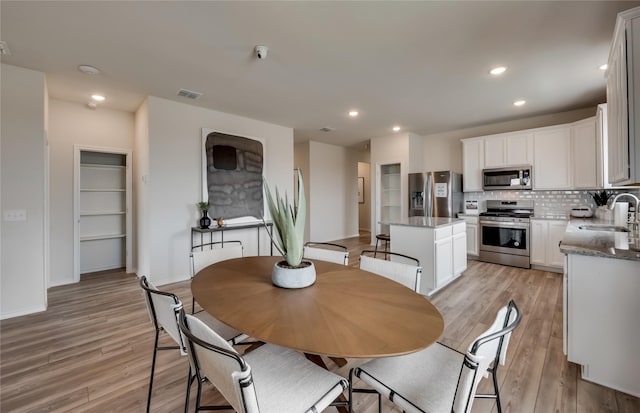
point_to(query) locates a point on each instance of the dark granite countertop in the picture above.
(599, 243)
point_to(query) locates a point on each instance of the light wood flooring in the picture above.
(91, 350)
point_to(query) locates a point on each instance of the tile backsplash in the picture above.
(548, 203)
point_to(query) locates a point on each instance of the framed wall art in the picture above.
(232, 171)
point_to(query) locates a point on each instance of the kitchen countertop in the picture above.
(558, 217)
(468, 215)
(621, 245)
(425, 222)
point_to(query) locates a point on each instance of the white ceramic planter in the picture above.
(285, 277)
(604, 213)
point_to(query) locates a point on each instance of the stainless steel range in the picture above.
(504, 233)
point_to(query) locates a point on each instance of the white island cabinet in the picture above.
(439, 243)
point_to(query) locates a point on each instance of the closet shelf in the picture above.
(102, 190)
(88, 214)
(101, 237)
(101, 166)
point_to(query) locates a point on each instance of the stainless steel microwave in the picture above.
(512, 177)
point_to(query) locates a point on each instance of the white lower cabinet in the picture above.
(442, 252)
(459, 252)
(545, 238)
(443, 262)
(602, 332)
(472, 235)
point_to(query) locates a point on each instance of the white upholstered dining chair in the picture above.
(163, 310)
(269, 379)
(401, 268)
(218, 251)
(326, 251)
(439, 378)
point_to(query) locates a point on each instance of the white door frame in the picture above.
(77, 149)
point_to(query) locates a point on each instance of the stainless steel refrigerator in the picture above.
(435, 194)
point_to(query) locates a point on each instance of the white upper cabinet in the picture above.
(623, 100)
(519, 148)
(567, 156)
(552, 158)
(472, 164)
(602, 145)
(508, 149)
(584, 154)
(495, 151)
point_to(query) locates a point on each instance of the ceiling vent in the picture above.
(189, 94)
(4, 49)
(326, 129)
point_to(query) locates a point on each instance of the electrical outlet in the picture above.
(15, 215)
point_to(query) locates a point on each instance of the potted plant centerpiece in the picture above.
(288, 224)
(205, 221)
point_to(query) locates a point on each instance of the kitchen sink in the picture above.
(608, 228)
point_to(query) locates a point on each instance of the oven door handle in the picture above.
(504, 224)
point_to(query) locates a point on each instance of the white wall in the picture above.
(73, 123)
(443, 151)
(388, 150)
(173, 179)
(301, 161)
(23, 177)
(333, 195)
(140, 173)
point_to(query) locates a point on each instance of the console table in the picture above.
(232, 227)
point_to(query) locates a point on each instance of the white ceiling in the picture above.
(421, 65)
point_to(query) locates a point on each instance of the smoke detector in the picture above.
(326, 129)
(261, 52)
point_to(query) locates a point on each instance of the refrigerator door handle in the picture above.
(428, 204)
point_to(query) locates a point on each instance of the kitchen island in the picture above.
(601, 330)
(439, 243)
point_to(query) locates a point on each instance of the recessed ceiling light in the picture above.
(89, 70)
(353, 113)
(498, 70)
(519, 102)
(603, 67)
(98, 98)
(396, 128)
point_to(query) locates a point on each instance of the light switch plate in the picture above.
(15, 215)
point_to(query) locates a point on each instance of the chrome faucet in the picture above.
(636, 225)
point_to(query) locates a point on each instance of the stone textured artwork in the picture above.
(234, 175)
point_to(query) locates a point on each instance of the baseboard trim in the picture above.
(23, 311)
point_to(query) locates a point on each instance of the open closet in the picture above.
(102, 182)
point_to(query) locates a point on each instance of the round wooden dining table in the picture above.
(347, 312)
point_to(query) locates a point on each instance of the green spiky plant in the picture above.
(203, 206)
(288, 221)
(600, 198)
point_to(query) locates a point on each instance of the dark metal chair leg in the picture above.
(193, 305)
(379, 403)
(350, 390)
(495, 386)
(190, 378)
(153, 367)
(199, 394)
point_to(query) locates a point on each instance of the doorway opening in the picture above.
(102, 210)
